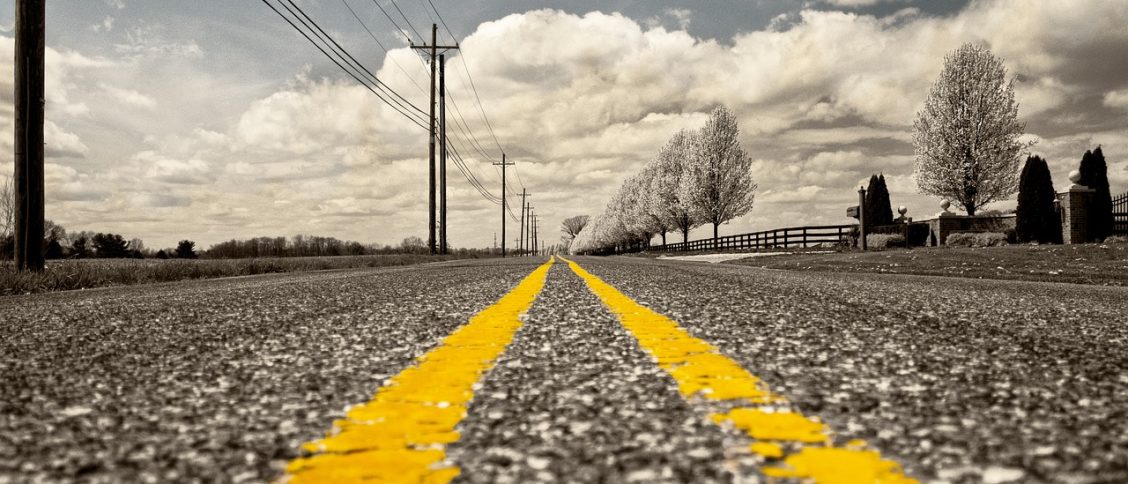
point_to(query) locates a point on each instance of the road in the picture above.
(613, 370)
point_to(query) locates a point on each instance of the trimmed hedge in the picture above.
(882, 241)
(976, 239)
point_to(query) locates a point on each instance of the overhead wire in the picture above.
(409, 24)
(337, 59)
(460, 120)
(474, 89)
(393, 21)
(308, 28)
(342, 51)
(387, 53)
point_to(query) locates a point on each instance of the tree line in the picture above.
(699, 177)
(58, 243)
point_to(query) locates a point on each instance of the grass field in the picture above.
(1101, 264)
(90, 273)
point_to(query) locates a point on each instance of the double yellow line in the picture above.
(400, 435)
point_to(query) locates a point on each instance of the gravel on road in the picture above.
(216, 380)
(959, 380)
(575, 399)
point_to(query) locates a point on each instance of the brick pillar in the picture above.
(943, 224)
(1075, 205)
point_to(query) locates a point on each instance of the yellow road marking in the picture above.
(798, 446)
(400, 435)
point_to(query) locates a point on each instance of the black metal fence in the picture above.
(777, 238)
(1120, 214)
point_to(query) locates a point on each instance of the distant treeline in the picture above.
(59, 244)
(317, 246)
(298, 246)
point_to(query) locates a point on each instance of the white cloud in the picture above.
(149, 41)
(1116, 99)
(857, 3)
(579, 101)
(106, 25)
(682, 16)
(162, 169)
(129, 96)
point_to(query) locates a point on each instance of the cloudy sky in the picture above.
(213, 120)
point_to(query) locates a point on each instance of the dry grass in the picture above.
(90, 273)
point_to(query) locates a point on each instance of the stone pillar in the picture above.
(943, 224)
(1075, 205)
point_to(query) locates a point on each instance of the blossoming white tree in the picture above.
(663, 194)
(697, 177)
(717, 183)
(967, 135)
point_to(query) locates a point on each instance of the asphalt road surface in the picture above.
(239, 380)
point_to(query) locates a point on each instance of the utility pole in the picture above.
(442, 156)
(31, 19)
(521, 239)
(433, 51)
(536, 225)
(525, 230)
(529, 233)
(504, 203)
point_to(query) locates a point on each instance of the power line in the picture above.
(393, 21)
(421, 4)
(442, 21)
(387, 53)
(405, 19)
(474, 89)
(356, 63)
(337, 59)
(481, 109)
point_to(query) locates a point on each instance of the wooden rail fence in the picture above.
(777, 238)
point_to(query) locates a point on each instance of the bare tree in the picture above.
(7, 206)
(54, 231)
(717, 183)
(572, 226)
(967, 136)
(664, 193)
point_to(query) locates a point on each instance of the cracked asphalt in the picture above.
(222, 380)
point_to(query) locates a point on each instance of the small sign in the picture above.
(852, 211)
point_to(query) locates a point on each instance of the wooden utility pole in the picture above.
(521, 236)
(432, 51)
(504, 202)
(31, 18)
(442, 156)
(536, 225)
(529, 233)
